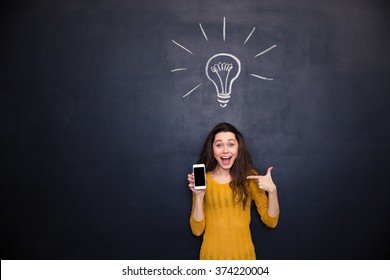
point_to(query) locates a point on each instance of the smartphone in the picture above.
(199, 176)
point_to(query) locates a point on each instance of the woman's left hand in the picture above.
(264, 182)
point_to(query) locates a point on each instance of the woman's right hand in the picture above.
(197, 208)
(191, 185)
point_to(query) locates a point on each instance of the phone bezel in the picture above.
(199, 165)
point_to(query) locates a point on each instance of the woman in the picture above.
(222, 211)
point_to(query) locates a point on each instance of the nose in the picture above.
(225, 148)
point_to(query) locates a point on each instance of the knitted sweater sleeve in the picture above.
(261, 200)
(197, 227)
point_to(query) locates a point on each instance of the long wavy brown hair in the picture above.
(242, 166)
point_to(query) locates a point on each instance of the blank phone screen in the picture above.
(199, 176)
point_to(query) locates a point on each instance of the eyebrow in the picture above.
(219, 140)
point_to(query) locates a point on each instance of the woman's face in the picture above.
(225, 148)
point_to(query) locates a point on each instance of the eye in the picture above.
(218, 146)
(231, 145)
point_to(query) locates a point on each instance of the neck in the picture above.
(222, 173)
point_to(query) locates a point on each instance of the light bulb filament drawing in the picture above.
(223, 69)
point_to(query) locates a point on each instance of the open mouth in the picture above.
(226, 160)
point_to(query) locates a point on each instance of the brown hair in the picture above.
(242, 166)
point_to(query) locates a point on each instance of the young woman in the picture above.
(222, 210)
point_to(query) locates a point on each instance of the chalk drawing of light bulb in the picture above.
(223, 69)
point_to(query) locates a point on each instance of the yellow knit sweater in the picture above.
(226, 228)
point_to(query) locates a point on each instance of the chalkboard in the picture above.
(105, 106)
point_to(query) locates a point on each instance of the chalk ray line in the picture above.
(204, 33)
(265, 51)
(179, 69)
(184, 48)
(192, 90)
(224, 28)
(261, 77)
(250, 34)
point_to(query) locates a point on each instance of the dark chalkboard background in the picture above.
(97, 140)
